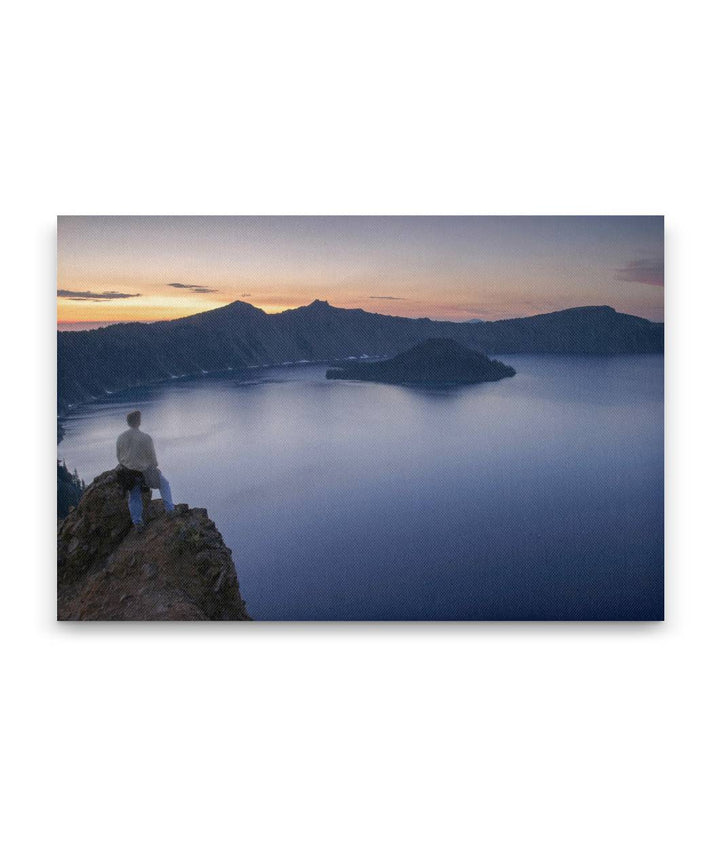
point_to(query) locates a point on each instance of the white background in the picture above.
(359, 739)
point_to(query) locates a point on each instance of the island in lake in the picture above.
(434, 361)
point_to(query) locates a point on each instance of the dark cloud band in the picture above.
(94, 295)
(384, 297)
(197, 289)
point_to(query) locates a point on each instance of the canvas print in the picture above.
(360, 418)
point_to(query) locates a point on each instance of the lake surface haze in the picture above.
(535, 497)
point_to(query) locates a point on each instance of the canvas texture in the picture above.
(360, 418)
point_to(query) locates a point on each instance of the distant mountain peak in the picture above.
(242, 306)
(589, 309)
(238, 309)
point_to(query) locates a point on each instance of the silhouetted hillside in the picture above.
(92, 363)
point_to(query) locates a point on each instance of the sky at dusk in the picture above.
(114, 269)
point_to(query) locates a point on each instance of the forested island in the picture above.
(434, 361)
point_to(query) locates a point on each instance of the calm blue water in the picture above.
(537, 497)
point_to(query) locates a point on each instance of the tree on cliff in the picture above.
(69, 489)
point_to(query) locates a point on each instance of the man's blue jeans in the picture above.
(135, 500)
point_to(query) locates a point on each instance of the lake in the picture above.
(535, 497)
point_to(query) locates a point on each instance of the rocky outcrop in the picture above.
(177, 569)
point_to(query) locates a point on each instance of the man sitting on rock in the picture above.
(139, 468)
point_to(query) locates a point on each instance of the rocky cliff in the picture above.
(177, 569)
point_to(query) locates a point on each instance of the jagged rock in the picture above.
(177, 569)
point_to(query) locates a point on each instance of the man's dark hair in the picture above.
(133, 419)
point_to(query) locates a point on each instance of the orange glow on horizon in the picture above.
(160, 308)
(145, 310)
(132, 309)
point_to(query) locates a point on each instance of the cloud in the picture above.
(246, 294)
(94, 295)
(197, 289)
(384, 297)
(649, 271)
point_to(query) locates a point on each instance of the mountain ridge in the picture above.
(92, 363)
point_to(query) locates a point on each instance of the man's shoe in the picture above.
(139, 528)
(174, 513)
